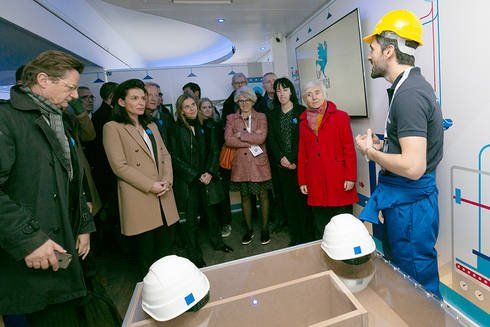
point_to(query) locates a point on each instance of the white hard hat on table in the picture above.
(345, 237)
(172, 286)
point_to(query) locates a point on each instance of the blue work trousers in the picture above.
(409, 240)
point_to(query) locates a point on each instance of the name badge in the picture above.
(256, 150)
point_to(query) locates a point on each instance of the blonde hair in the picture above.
(206, 100)
(179, 105)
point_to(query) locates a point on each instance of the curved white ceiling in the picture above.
(162, 41)
(126, 34)
(250, 24)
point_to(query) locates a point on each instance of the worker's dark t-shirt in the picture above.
(415, 112)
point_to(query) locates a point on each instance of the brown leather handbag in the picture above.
(226, 157)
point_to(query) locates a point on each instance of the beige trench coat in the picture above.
(136, 170)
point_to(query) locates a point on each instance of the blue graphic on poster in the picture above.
(321, 60)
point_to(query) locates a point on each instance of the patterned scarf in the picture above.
(55, 117)
(315, 117)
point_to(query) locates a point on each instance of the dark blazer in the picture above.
(165, 123)
(37, 203)
(274, 143)
(104, 177)
(78, 126)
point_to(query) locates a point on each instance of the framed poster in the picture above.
(334, 56)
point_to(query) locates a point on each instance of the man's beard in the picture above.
(377, 72)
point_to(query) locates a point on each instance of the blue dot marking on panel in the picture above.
(357, 250)
(189, 299)
(457, 195)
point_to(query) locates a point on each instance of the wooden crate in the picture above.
(317, 300)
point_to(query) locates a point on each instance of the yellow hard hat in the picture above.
(402, 22)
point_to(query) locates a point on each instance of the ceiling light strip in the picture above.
(79, 31)
(202, 2)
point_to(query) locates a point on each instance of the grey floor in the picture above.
(118, 274)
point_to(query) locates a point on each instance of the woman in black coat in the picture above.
(195, 158)
(213, 121)
(283, 139)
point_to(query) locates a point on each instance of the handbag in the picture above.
(215, 191)
(226, 157)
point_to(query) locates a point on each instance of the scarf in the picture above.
(55, 117)
(315, 117)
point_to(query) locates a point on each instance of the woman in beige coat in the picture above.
(143, 167)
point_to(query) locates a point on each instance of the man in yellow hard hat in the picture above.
(412, 148)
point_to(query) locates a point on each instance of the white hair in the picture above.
(311, 85)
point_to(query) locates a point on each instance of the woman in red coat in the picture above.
(327, 167)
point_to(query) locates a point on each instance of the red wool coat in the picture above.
(246, 167)
(326, 161)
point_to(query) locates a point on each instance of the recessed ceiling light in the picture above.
(203, 2)
(220, 20)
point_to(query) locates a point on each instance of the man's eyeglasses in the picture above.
(70, 87)
(244, 101)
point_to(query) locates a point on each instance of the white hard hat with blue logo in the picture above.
(345, 237)
(173, 286)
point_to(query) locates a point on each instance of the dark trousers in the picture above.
(278, 214)
(298, 215)
(322, 216)
(225, 205)
(212, 213)
(189, 228)
(69, 314)
(108, 235)
(152, 245)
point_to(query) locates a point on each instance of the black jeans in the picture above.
(225, 205)
(69, 314)
(212, 213)
(153, 245)
(323, 215)
(189, 228)
(298, 215)
(278, 215)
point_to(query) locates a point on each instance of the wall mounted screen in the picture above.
(334, 56)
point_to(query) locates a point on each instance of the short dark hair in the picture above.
(401, 58)
(193, 86)
(119, 114)
(53, 63)
(107, 90)
(18, 73)
(286, 84)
